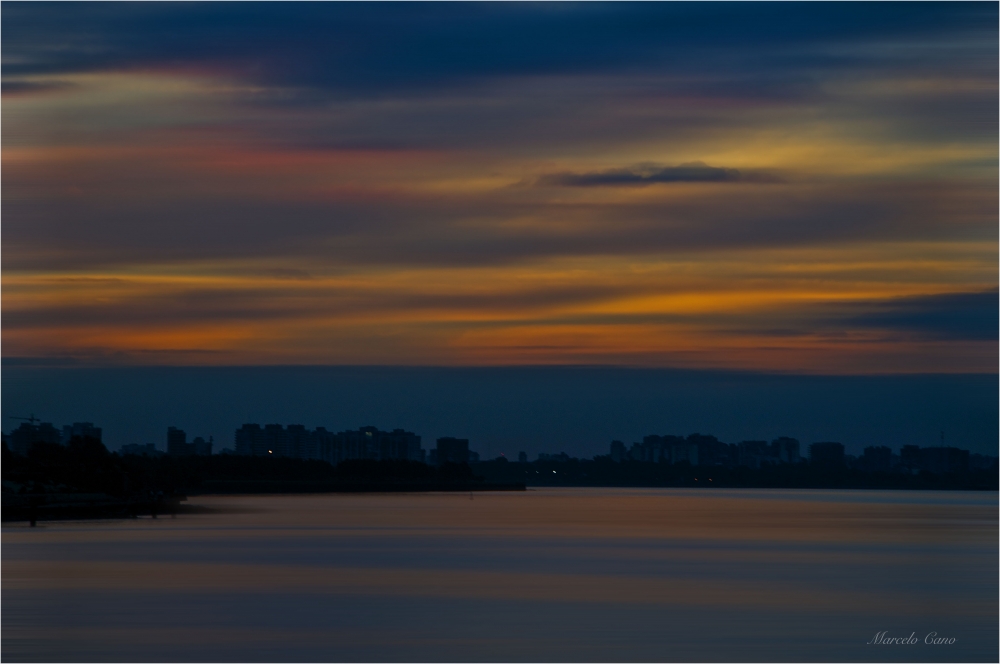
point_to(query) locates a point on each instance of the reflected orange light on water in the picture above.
(841, 561)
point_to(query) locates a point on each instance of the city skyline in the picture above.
(797, 188)
(371, 444)
(575, 409)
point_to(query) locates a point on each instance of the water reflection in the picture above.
(547, 575)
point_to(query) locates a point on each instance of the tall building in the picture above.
(371, 443)
(250, 441)
(177, 444)
(399, 444)
(201, 447)
(785, 449)
(176, 441)
(661, 449)
(682, 451)
(304, 442)
(22, 438)
(297, 442)
(329, 446)
(277, 440)
(79, 430)
(654, 449)
(712, 451)
(944, 460)
(360, 444)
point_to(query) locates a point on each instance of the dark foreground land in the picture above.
(602, 471)
(84, 480)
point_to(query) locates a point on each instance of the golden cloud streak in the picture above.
(559, 311)
(668, 296)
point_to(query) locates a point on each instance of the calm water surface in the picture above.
(546, 575)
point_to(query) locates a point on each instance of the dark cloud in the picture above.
(389, 48)
(52, 233)
(694, 171)
(15, 87)
(972, 316)
(950, 317)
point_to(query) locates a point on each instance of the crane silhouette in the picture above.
(31, 419)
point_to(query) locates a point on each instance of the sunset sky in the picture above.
(801, 188)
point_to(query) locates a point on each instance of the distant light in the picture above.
(553, 472)
(269, 452)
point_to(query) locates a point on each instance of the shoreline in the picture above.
(83, 507)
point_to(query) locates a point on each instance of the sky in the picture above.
(790, 189)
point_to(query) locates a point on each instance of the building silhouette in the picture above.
(696, 450)
(826, 455)
(250, 440)
(371, 443)
(297, 442)
(785, 449)
(704, 450)
(682, 451)
(201, 447)
(136, 449)
(760, 453)
(876, 459)
(712, 451)
(754, 453)
(672, 449)
(177, 444)
(913, 459)
(982, 462)
(28, 433)
(452, 450)
(276, 440)
(79, 430)
(176, 441)
(328, 447)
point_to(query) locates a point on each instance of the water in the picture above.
(546, 575)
